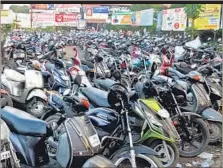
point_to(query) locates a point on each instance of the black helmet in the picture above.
(98, 58)
(117, 94)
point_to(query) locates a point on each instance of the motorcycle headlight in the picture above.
(163, 113)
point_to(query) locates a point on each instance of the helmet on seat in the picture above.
(117, 95)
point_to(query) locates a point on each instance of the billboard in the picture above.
(210, 18)
(96, 14)
(6, 17)
(72, 8)
(42, 19)
(139, 18)
(122, 18)
(43, 6)
(174, 19)
(67, 19)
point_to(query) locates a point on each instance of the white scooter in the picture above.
(26, 89)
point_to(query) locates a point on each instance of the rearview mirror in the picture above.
(209, 38)
(78, 80)
(219, 40)
(154, 67)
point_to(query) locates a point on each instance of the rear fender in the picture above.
(188, 114)
(37, 93)
(211, 115)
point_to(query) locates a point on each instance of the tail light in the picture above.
(85, 103)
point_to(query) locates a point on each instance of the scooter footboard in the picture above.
(31, 151)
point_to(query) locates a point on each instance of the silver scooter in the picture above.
(26, 89)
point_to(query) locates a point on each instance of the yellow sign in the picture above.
(210, 18)
(4, 12)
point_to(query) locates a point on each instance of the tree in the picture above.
(19, 9)
(193, 11)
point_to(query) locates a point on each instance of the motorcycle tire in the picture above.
(141, 161)
(173, 151)
(50, 121)
(30, 107)
(206, 138)
(215, 136)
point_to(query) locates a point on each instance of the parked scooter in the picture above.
(26, 90)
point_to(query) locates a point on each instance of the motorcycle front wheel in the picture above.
(199, 137)
(158, 147)
(141, 161)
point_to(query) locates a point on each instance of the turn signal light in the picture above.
(196, 77)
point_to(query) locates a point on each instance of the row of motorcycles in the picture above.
(137, 101)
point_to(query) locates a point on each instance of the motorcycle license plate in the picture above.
(94, 140)
(5, 155)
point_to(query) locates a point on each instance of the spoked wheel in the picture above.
(215, 130)
(173, 152)
(36, 107)
(141, 161)
(198, 140)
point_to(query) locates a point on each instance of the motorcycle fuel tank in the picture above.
(104, 118)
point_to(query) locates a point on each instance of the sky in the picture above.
(6, 6)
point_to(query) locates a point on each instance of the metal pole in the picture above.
(31, 16)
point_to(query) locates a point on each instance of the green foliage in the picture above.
(138, 7)
(19, 9)
(193, 10)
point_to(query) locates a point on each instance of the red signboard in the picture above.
(66, 17)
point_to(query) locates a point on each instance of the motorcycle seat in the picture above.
(105, 84)
(23, 123)
(176, 74)
(14, 75)
(49, 67)
(96, 96)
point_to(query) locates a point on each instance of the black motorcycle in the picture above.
(190, 126)
(113, 130)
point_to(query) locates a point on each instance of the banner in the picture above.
(174, 19)
(5, 13)
(210, 18)
(24, 19)
(96, 14)
(67, 19)
(159, 21)
(42, 19)
(139, 18)
(43, 6)
(122, 18)
(6, 17)
(81, 24)
(145, 17)
(73, 8)
(102, 9)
